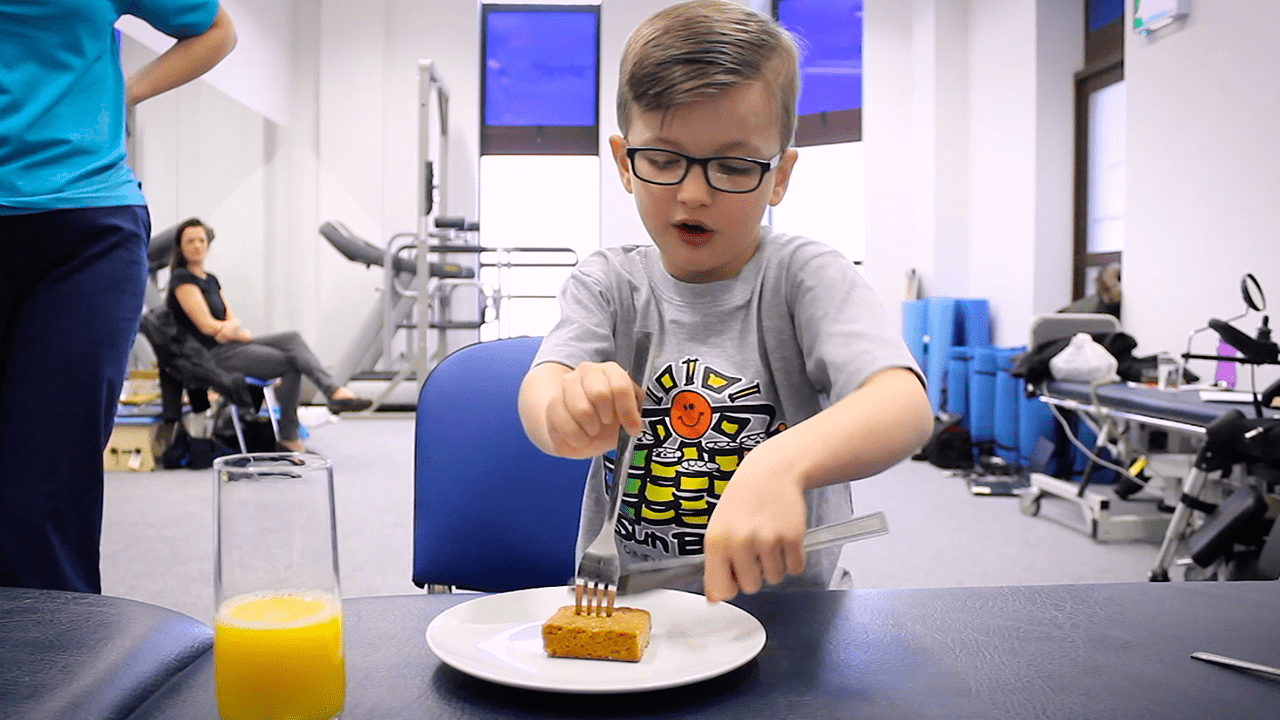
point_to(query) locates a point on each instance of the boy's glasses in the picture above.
(725, 173)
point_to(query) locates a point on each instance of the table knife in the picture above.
(1237, 664)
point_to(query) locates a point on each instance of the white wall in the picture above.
(817, 201)
(1204, 172)
(1060, 37)
(367, 116)
(888, 81)
(968, 135)
(340, 142)
(1204, 167)
(258, 73)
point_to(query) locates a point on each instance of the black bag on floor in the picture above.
(258, 433)
(950, 447)
(192, 453)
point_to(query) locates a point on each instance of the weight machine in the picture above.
(434, 297)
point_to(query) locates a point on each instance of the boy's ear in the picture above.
(782, 175)
(618, 145)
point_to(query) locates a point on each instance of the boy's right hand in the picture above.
(586, 405)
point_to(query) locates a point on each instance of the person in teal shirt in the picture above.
(74, 229)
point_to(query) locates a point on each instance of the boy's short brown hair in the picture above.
(697, 49)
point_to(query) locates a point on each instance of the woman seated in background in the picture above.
(196, 300)
(1106, 298)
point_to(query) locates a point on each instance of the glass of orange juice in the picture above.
(277, 647)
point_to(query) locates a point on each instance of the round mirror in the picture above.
(1252, 292)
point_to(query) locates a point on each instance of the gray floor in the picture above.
(157, 532)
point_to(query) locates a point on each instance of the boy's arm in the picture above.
(755, 533)
(575, 412)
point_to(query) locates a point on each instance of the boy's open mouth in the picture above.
(693, 234)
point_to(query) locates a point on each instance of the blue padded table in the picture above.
(981, 653)
(1109, 406)
(67, 655)
(1174, 409)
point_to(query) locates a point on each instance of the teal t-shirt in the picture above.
(62, 99)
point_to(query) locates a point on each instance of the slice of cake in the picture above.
(621, 637)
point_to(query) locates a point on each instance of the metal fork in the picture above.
(598, 570)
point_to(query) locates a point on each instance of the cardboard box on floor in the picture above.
(135, 441)
(132, 445)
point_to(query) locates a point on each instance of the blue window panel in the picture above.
(540, 69)
(830, 33)
(1102, 12)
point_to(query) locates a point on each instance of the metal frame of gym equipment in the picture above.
(453, 241)
(404, 308)
(371, 354)
(404, 298)
(423, 305)
(494, 300)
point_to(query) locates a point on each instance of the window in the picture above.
(1100, 146)
(830, 33)
(540, 80)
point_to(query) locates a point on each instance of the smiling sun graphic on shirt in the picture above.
(700, 422)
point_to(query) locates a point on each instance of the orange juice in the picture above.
(279, 656)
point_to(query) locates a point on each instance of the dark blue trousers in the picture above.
(71, 292)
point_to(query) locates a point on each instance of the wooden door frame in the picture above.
(1101, 74)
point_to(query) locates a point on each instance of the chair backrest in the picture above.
(491, 511)
(1064, 325)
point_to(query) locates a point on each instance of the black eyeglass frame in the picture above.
(690, 161)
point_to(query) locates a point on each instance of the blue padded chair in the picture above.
(491, 511)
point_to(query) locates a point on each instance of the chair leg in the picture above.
(269, 399)
(235, 420)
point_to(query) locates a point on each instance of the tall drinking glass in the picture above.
(277, 648)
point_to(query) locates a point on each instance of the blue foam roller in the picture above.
(975, 321)
(982, 394)
(957, 400)
(941, 329)
(913, 329)
(1008, 398)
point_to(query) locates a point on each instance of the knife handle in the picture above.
(839, 533)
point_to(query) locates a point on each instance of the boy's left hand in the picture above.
(757, 530)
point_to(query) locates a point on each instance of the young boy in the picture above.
(774, 363)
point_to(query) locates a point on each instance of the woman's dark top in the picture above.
(212, 292)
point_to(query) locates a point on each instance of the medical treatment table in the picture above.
(1224, 435)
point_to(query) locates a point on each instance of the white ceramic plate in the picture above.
(499, 638)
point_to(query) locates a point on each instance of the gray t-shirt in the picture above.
(735, 362)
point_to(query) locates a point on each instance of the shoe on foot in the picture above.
(354, 404)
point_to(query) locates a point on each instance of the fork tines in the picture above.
(595, 594)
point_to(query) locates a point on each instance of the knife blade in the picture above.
(1230, 662)
(647, 576)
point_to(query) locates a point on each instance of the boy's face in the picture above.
(704, 234)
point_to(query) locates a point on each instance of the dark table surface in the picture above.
(73, 655)
(1056, 651)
